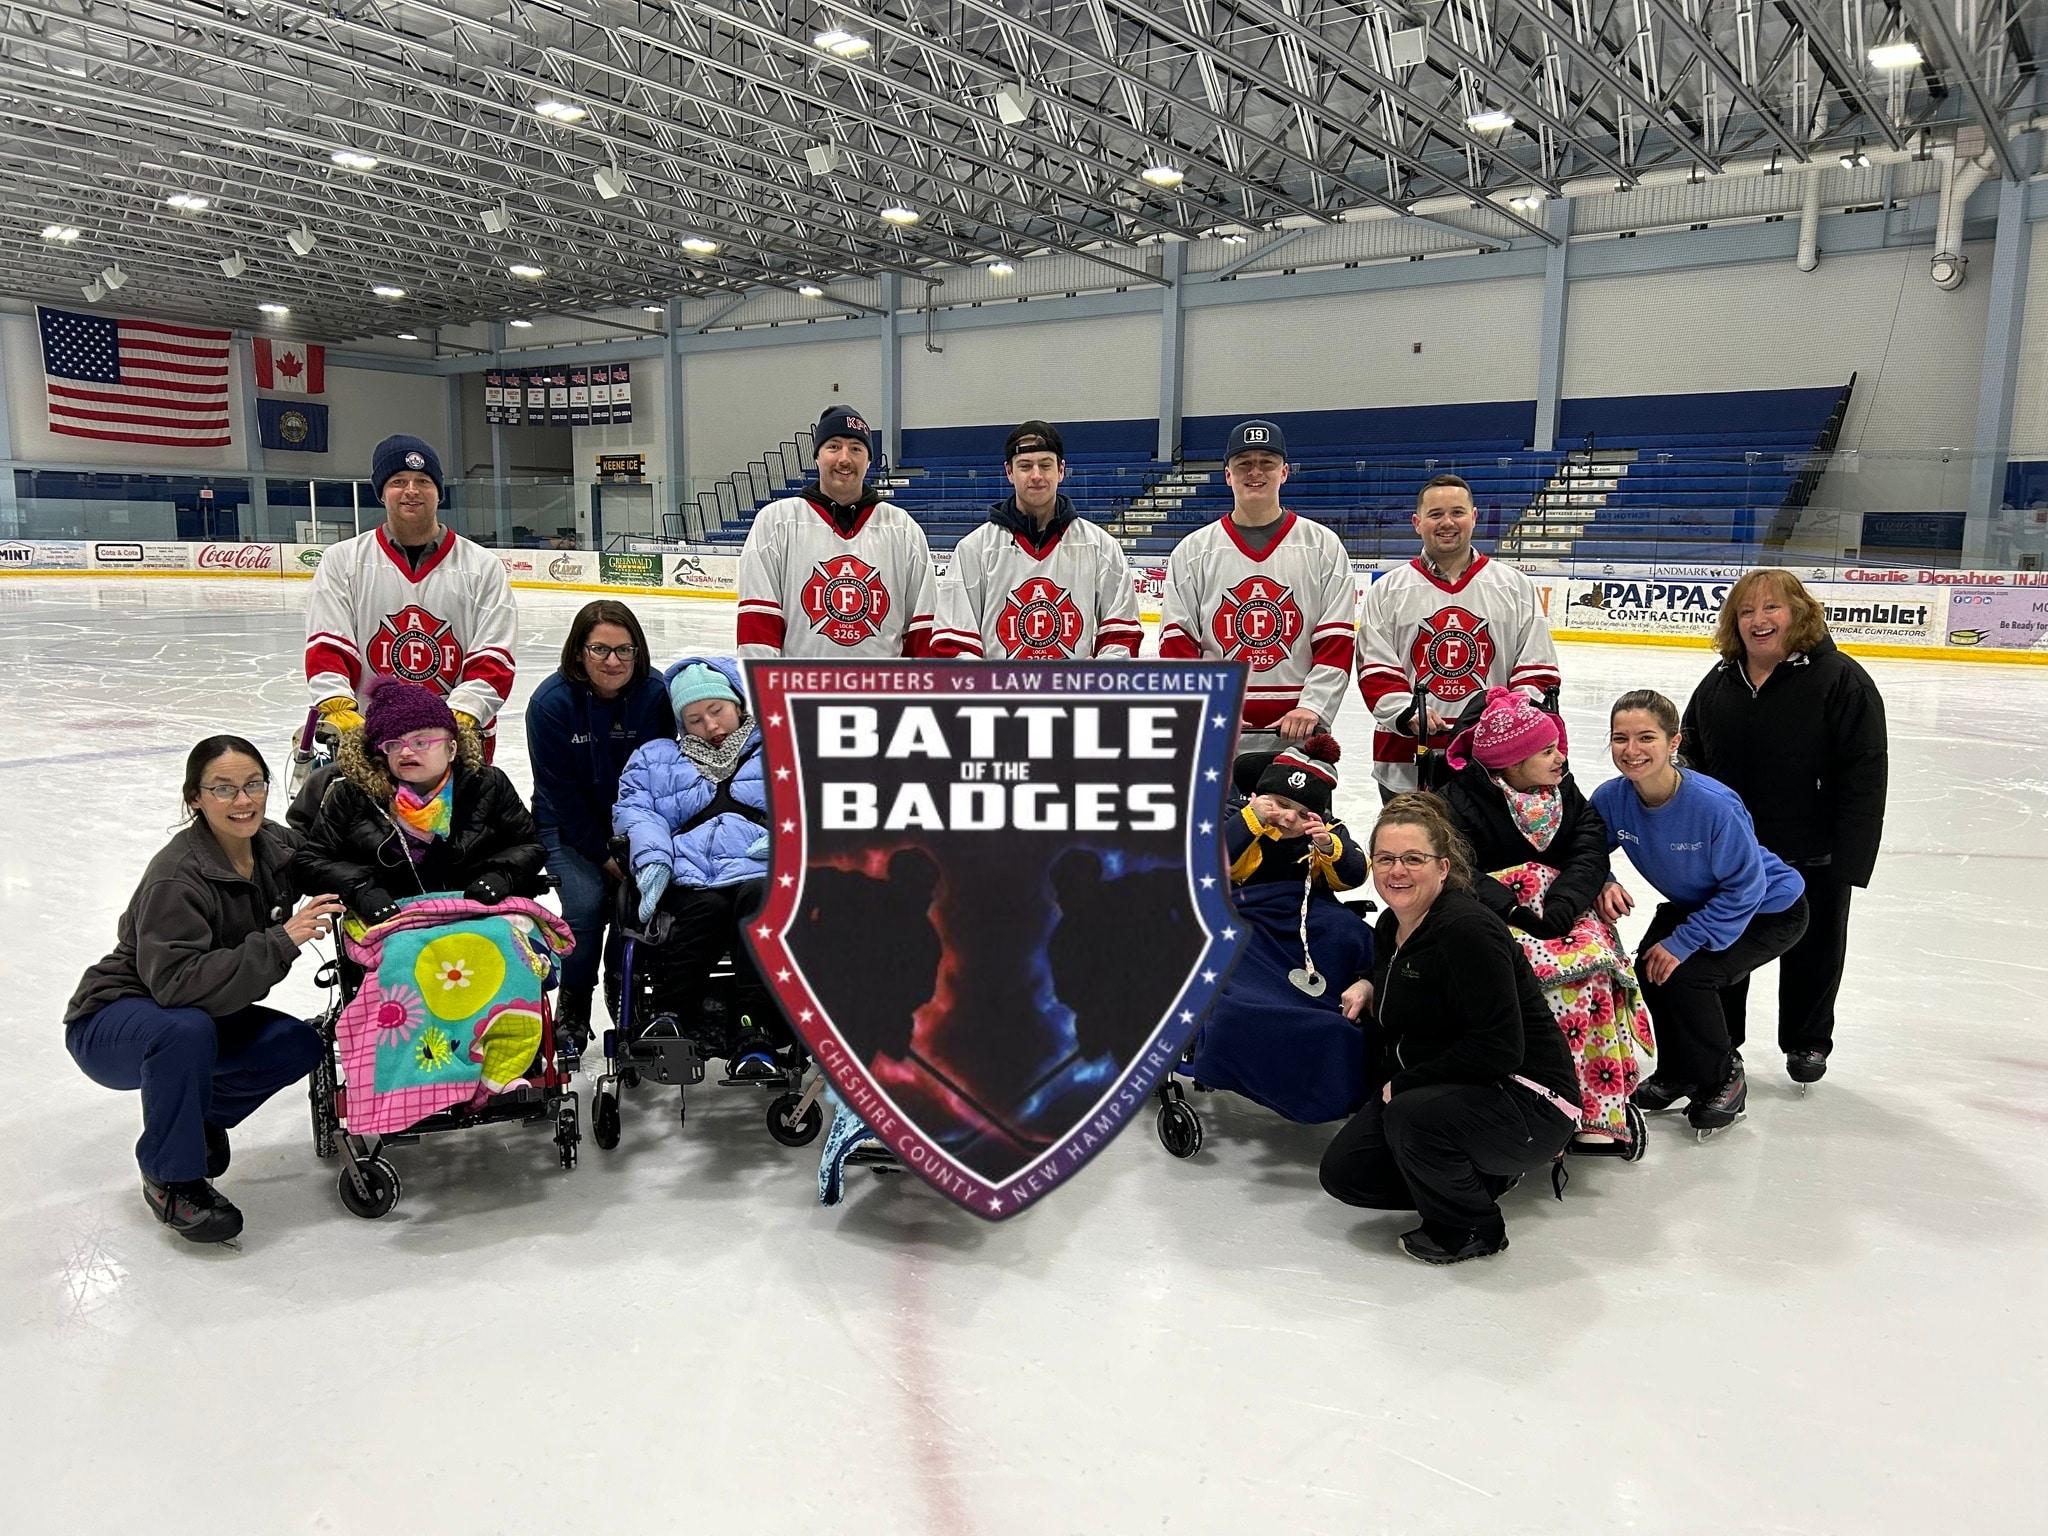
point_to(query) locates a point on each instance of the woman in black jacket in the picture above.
(176, 1009)
(423, 815)
(1797, 730)
(1477, 1085)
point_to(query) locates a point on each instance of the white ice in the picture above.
(1828, 1319)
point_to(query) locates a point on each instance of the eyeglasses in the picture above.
(425, 741)
(606, 652)
(255, 789)
(1407, 861)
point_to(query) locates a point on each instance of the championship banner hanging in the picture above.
(998, 903)
(536, 396)
(600, 397)
(558, 396)
(579, 397)
(622, 394)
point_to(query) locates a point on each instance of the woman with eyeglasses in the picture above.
(175, 1010)
(1476, 1084)
(412, 809)
(582, 724)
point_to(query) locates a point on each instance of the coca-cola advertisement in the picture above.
(239, 559)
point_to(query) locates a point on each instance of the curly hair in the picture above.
(369, 772)
(1429, 814)
(1809, 620)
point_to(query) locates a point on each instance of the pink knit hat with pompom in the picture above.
(1510, 729)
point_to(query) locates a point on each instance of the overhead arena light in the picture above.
(521, 325)
(528, 271)
(1000, 269)
(653, 309)
(900, 215)
(697, 245)
(1493, 120)
(497, 220)
(63, 234)
(1855, 159)
(386, 291)
(824, 159)
(811, 291)
(1408, 48)
(841, 43)
(1013, 104)
(113, 277)
(1232, 239)
(94, 292)
(1899, 55)
(1163, 175)
(354, 160)
(407, 336)
(301, 240)
(275, 309)
(561, 111)
(1529, 204)
(232, 265)
(186, 202)
(610, 182)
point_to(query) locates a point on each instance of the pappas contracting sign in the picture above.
(1671, 607)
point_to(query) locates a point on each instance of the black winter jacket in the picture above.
(1807, 752)
(1458, 1004)
(198, 935)
(354, 848)
(1578, 853)
(577, 745)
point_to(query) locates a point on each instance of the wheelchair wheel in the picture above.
(1180, 1128)
(604, 1118)
(568, 1133)
(1639, 1132)
(800, 1131)
(380, 1189)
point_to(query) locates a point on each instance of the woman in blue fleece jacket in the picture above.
(1730, 905)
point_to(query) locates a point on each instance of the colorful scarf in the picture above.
(425, 817)
(1537, 813)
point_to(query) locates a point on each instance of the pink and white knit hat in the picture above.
(1510, 729)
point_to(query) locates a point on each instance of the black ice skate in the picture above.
(1431, 1249)
(193, 1209)
(1723, 1107)
(1654, 1095)
(1805, 1068)
(217, 1151)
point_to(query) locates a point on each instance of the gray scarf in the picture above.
(717, 763)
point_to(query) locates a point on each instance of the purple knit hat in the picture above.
(398, 708)
(1510, 729)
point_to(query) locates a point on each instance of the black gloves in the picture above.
(375, 906)
(488, 889)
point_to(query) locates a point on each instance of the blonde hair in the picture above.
(1809, 620)
(1429, 815)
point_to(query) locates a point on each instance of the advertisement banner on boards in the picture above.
(1661, 607)
(238, 559)
(1888, 618)
(2000, 619)
(571, 567)
(110, 556)
(24, 555)
(630, 570)
(704, 572)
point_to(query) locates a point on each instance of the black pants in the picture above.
(705, 925)
(1446, 1150)
(1689, 1012)
(1809, 973)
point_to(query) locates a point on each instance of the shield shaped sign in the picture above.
(998, 903)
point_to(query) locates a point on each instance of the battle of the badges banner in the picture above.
(997, 905)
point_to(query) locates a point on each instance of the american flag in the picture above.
(135, 381)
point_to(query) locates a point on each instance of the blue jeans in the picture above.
(194, 1070)
(587, 895)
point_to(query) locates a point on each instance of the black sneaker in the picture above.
(193, 1209)
(1806, 1066)
(217, 1151)
(1724, 1106)
(1654, 1095)
(1424, 1245)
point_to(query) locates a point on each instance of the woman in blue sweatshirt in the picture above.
(1730, 905)
(581, 726)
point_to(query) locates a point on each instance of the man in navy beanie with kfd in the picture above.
(410, 599)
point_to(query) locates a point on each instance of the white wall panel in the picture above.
(2030, 398)
(1106, 369)
(363, 408)
(1356, 351)
(739, 402)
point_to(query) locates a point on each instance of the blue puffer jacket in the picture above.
(662, 789)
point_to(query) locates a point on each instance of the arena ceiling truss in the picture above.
(631, 151)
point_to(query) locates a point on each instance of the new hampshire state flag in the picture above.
(293, 426)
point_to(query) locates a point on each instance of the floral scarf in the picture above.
(422, 818)
(717, 763)
(1536, 813)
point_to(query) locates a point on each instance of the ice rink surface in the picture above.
(1828, 1319)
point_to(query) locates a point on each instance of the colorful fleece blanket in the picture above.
(1590, 984)
(452, 1008)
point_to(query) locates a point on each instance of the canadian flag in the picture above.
(291, 367)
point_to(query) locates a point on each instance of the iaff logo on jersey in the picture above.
(845, 599)
(997, 901)
(1257, 623)
(1453, 649)
(416, 646)
(1039, 622)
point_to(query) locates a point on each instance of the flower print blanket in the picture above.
(1591, 987)
(452, 1008)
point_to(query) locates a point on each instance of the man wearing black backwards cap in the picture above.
(1267, 588)
(1036, 582)
(835, 571)
(410, 600)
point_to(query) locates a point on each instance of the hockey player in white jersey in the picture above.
(1037, 582)
(410, 599)
(1269, 588)
(835, 571)
(1450, 617)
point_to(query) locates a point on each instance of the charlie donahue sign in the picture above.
(997, 903)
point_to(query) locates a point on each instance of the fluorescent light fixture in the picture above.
(561, 111)
(186, 202)
(386, 291)
(1493, 120)
(64, 234)
(1163, 175)
(113, 277)
(354, 160)
(528, 271)
(900, 215)
(1013, 104)
(653, 309)
(1000, 269)
(697, 245)
(841, 43)
(811, 291)
(301, 240)
(1899, 55)
(1855, 160)
(1408, 48)
(407, 336)
(93, 292)
(610, 181)
(521, 325)
(275, 309)
(823, 159)
(1527, 204)
(232, 265)
(1233, 239)
(497, 220)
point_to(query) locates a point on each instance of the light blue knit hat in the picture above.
(697, 682)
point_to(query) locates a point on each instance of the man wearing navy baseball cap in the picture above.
(412, 600)
(1269, 588)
